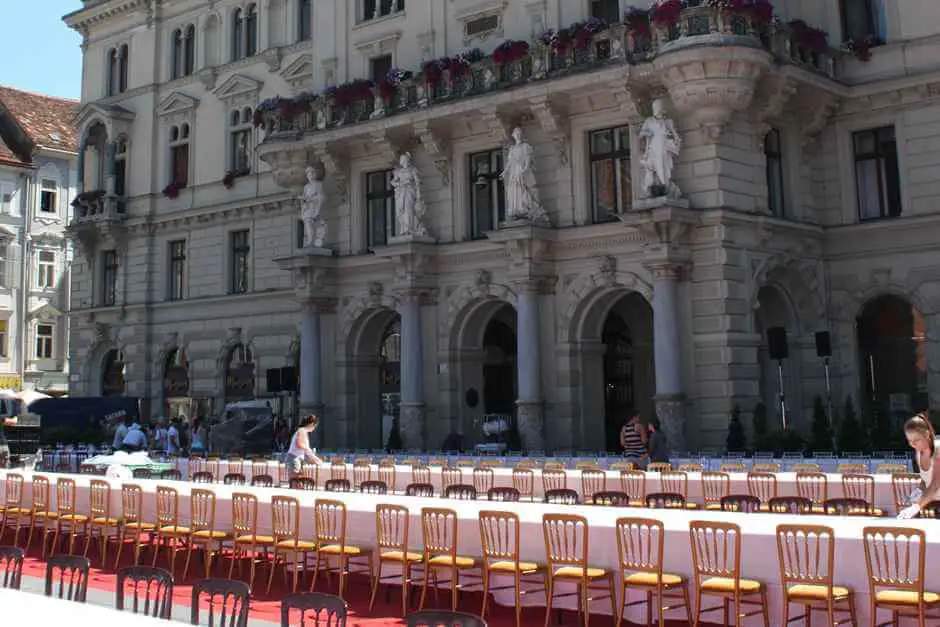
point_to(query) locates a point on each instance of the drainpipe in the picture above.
(26, 239)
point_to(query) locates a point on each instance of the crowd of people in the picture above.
(173, 437)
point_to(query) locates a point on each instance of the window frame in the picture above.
(176, 270)
(5, 247)
(239, 261)
(616, 155)
(45, 342)
(44, 191)
(884, 159)
(374, 7)
(304, 20)
(617, 10)
(384, 195)
(875, 30)
(4, 338)
(774, 155)
(110, 268)
(179, 145)
(494, 183)
(120, 167)
(240, 126)
(46, 269)
(374, 64)
(183, 54)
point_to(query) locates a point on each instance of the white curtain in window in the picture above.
(869, 199)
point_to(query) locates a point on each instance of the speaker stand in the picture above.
(832, 426)
(781, 398)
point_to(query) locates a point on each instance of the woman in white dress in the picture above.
(300, 450)
(922, 438)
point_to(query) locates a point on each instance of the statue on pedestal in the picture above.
(311, 203)
(409, 205)
(659, 156)
(522, 200)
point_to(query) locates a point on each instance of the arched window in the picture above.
(390, 368)
(176, 374)
(113, 68)
(120, 167)
(189, 49)
(183, 51)
(112, 373)
(251, 28)
(176, 60)
(123, 61)
(239, 373)
(238, 35)
(240, 141)
(304, 20)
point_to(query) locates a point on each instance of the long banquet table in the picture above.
(30, 608)
(758, 560)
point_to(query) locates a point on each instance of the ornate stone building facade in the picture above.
(807, 203)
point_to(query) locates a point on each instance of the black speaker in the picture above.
(273, 376)
(777, 342)
(823, 344)
(289, 379)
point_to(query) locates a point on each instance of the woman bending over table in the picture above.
(300, 450)
(921, 437)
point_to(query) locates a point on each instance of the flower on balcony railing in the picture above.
(583, 33)
(814, 39)
(391, 81)
(265, 106)
(172, 190)
(88, 198)
(558, 40)
(761, 11)
(637, 21)
(666, 12)
(353, 91)
(469, 57)
(862, 48)
(510, 51)
(433, 70)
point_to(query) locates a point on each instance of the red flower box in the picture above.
(667, 13)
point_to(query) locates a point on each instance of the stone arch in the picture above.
(588, 289)
(353, 312)
(95, 364)
(774, 306)
(235, 342)
(455, 305)
(801, 282)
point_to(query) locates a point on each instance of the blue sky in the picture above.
(40, 53)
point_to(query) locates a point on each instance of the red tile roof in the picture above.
(48, 122)
(8, 157)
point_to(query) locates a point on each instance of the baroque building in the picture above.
(808, 142)
(37, 182)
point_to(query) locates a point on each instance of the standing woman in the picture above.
(300, 450)
(921, 437)
(633, 442)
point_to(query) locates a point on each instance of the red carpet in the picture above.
(266, 607)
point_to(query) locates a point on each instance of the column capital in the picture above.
(669, 270)
(538, 285)
(413, 258)
(312, 273)
(423, 295)
(318, 305)
(665, 227)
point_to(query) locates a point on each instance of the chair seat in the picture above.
(74, 518)
(508, 566)
(22, 511)
(726, 584)
(106, 522)
(576, 572)
(447, 560)
(399, 556)
(254, 539)
(905, 597)
(691, 505)
(175, 530)
(345, 549)
(141, 526)
(296, 545)
(652, 579)
(210, 534)
(713, 507)
(813, 592)
(45, 514)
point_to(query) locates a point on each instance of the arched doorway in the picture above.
(892, 347)
(239, 373)
(620, 394)
(499, 366)
(112, 373)
(176, 383)
(390, 379)
(774, 310)
(376, 391)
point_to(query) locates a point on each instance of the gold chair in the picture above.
(658, 467)
(236, 466)
(527, 463)
(285, 531)
(640, 543)
(362, 471)
(439, 527)
(451, 475)
(483, 479)
(101, 523)
(676, 482)
(730, 467)
(794, 505)
(202, 530)
(499, 538)
(593, 480)
(337, 469)
(491, 463)
(420, 474)
(902, 486)
(466, 463)
(763, 485)
(805, 467)
(855, 469)
(132, 522)
(309, 471)
(67, 519)
(246, 541)
(391, 533)
(40, 514)
(691, 468)
(618, 466)
(895, 560)
(554, 479)
(716, 564)
(523, 479)
(633, 482)
(14, 513)
(769, 467)
(387, 474)
(212, 467)
(715, 485)
(813, 485)
(330, 519)
(553, 466)
(566, 552)
(807, 560)
(891, 469)
(586, 466)
(169, 529)
(856, 486)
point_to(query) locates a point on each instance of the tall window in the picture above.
(45, 276)
(251, 30)
(123, 60)
(179, 154)
(606, 10)
(120, 168)
(117, 69)
(183, 61)
(245, 32)
(44, 341)
(379, 67)
(487, 196)
(877, 179)
(4, 340)
(773, 154)
(611, 182)
(240, 142)
(305, 20)
(109, 278)
(5, 264)
(177, 270)
(380, 208)
(48, 196)
(863, 19)
(240, 253)
(373, 9)
(238, 35)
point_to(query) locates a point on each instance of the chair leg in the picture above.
(424, 586)
(231, 564)
(549, 596)
(688, 603)
(454, 587)
(486, 591)
(271, 572)
(316, 573)
(765, 610)
(119, 536)
(103, 538)
(613, 600)
(375, 584)
(517, 591)
(189, 554)
(156, 549)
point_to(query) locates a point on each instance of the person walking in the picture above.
(633, 442)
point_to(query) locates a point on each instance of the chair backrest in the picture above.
(99, 499)
(503, 493)
(902, 485)
(391, 527)
(499, 536)
(562, 496)
(451, 476)
(373, 487)
(337, 485)
(460, 492)
(633, 482)
(236, 466)
(847, 507)
(768, 467)
(150, 588)
(675, 482)
(439, 529)
(806, 554)
(302, 483)
(613, 498)
(566, 540)
(65, 491)
(859, 486)
(420, 474)
(715, 485)
(132, 502)
(11, 567)
(202, 509)
(483, 479)
(67, 577)
(593, 480)
(313, 609)
(554, 479)
(732, 467)
(362, 472)
(790, 505)
(142, 473)
(171, 474)
(244, 513)
(40, 494)
(761, 484)
(13, 490)
(387, 473)
(523, 479)
(419, 489)
(746, 503)
(440, 618)
(665, 500)
(894, 557)
(285, 518)
(659, 466)
(891, 469)
(203, 476)
(805, 467)
(716, 550)
(337, 470)
(168, 506)
(691, 468)
(330, 522)
(853, 469)
(640, 545)
(227, 602)
(812, 485)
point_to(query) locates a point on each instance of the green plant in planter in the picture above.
(394, 437)
(851, 437)
(761, 428)
(736, 440)
(821, 439)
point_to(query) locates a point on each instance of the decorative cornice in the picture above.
(498, 122)
(437, 146)
(554, 122)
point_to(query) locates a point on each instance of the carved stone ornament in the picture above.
(334, 169)
(554, 122)
(437, 146)
(288, 168)
(499, 124)
(821, 106)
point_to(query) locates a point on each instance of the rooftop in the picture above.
(48, 122)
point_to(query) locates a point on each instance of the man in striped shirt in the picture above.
(633, 442)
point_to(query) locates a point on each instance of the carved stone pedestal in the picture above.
(411, 426)
(530, 421)
(670, 409)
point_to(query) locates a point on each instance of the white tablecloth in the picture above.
(19, 606)
(759, 555)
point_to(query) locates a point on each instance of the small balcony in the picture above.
(97, 208)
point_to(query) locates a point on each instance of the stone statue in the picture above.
(659, 156)
(522, 200)
(311, 203)
(409, 206)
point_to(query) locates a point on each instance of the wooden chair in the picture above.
(311, 472)
(854, 469)
(439, 528)
(730, 467)
(766, 467)
(567, 560)
(391, 533)
(420, 474)
(313, 609)
(377, 488)
(452, 475)
(861, 487)
(246, 541)
(500, 541)
(419, 489)
(691, 468)
(337, 485)
(763, 485)
(285, 531)
(611, 498)
(806, 554)
(203, 532)
(262, 481)
(227, 600)
(716, 564)
(203, 476)
(592, 480)
(715, 485)
(460, 492)
(483, 479)
(523, 479)
(142, 473)
(658, 466)
(562, 496)
(387, 474)
(11, 567)
(846, 507)
(338, 470)
(101, 523)
(213, 467)
(633, 482)
(665, 500)
(795, 505)
(234, 478)
(236, 466)
(171, 474)
(805, 467)
(740, 503)
(891, 469)
(554, 479)
(169, 530)
(362, 471)
(895, 561)
(330, 519)
(902, 486)
(40, 514)
(151, 591)
(132, 522)
(67, 519)
(503, 493)
(301, 483)
(812, 485)
(13, 513)
(676, 482)
(640, 543)
(72, 577)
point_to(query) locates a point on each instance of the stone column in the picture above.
(669, 398)
(311, 388)
(110, 166)
(80, 168)
(529, 409)
(411, 408)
